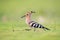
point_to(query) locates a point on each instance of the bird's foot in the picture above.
(27, 29)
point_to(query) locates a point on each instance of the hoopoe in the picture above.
(31, 23)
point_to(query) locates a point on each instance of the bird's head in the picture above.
(28, 14)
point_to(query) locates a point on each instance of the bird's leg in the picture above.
(44, 29)
(29, 29)
(34, 29)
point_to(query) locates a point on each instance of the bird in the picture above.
(31, 23)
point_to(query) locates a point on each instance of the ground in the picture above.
(6, 33)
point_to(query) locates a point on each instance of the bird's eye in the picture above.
(27, 14)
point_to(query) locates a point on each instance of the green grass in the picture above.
(12, 10)
(6, 33)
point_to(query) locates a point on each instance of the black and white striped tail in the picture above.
(36, 25)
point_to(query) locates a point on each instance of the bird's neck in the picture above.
(28, 19)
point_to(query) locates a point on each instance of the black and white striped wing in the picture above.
(37, 25)
(34, 24)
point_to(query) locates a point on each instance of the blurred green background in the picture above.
(47, 14)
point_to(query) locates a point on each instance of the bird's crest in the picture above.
(28, 13)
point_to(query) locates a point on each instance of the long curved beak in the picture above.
(23, 16)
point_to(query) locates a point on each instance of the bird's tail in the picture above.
(45, 28)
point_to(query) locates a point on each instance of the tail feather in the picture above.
(45, 28)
